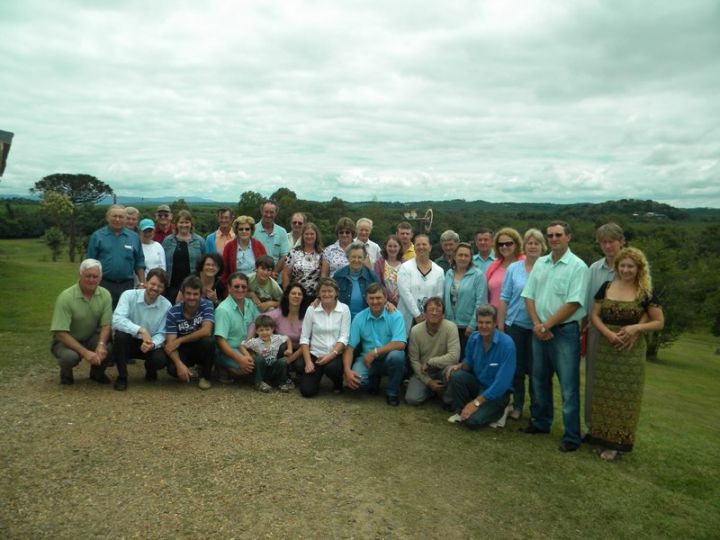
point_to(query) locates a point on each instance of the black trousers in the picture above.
(196, 353)
(310, 382)
(127, 346)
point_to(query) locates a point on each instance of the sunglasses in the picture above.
(243, 228)
(344, 232)
(506, 244)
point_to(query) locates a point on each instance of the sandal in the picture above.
(609, 455)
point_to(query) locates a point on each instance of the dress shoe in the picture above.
(532, 429)
(100, 377)
(393, 401)
(150, 375)
(66, 378)
(120, 385)
(568, 446)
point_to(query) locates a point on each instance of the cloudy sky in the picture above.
(498, 100)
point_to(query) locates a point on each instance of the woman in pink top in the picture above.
(508, 249)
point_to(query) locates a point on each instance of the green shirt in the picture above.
(231, 323)
(79, 316)
(551, 285)
(270, 291)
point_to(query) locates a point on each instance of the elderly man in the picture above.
(297, 221)
(215, 241)
(189, 338)
(434, 345)
(404, 233)
(363, 228)
(139, 325)
(81, 325)
(163, 223)
(381, 337)
(132, 216)
(120, 252)
(480, 385)
(554, 296)
(272, 236)
(484, 242)
(449, 240)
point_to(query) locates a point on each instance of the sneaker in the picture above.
(515, 414)
(263, 387)
(393, 401)
(223, 377)
(500, 422)
(455, 419)
(286, 387)
(204, 384)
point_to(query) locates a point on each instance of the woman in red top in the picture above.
(241, 253)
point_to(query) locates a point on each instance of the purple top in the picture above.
(283, 326)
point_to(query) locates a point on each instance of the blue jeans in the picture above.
(560, 355)
(392, 365)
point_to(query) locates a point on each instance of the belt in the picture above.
(565, 324)
(117, 280)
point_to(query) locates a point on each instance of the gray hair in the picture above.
(364, 220)
(90, 263)
(486, 310)
(449, 235)
(354, 246)
(131, 210)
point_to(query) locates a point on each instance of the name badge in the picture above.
(128, 246)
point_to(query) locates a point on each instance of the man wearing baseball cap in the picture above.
(163, 223)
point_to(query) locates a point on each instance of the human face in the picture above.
(147, 236)
(422, 247)
(163, 219)
(269, 213)
(238, 289)
(327, 295)
(486, 326)
(209, 268)
(363, 231)
(224, 221)
(533, 248)
(90, 279)
(183, 226)
(191, 297)
(376, 302)
(263, 274)
(628, 270)
(355, 259)
(405, 236)
(448, 248)
(297, 223)
(558, 239)
(116, 219)
(295, 296)
(309, 238)
(244, 230)
(506, 247)
(483, 242)
(131, 221)
(462, 258)
(264, 332)
(153, 288)
(393, 249)
(610, 248)
(433, 314)
(345, 237)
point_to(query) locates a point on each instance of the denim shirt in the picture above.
(345, 285)
(196, 249)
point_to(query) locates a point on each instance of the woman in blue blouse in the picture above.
(513, 318)
(465, 290)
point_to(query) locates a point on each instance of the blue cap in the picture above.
(146, 224)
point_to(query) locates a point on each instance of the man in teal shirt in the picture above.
(555, 295)
(272, 236)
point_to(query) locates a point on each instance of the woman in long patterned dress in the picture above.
(304, 263)
(620, 363)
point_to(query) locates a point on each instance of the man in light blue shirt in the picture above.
(139, 325)
(381, 337)
(272, 236)
(555, 295)
(484, 242)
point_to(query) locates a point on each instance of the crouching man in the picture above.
(81, 325)
(480, 384)
(139, 325)
(382, 337)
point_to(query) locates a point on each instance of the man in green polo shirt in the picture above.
(81, 325)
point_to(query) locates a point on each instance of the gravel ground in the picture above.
(169, 460)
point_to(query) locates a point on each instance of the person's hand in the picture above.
(147, 347)
(420, 318)
(352, 380)
(247, 364)
(183, 373)
(627, 343)
(469, 331)
(390, 307)
(423, 367)
(101, 353)
(394, 298)
(309, 367)
(211, 294)
(370, 357)
(325, 359)
(468, 410)
(92, 358)
(315, 303)
(615, 339)
(628, 332)
(435, 386)
(171, 347)
(451, 370)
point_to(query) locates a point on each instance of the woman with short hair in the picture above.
(354, 279)
(334, 256)
(240, 253)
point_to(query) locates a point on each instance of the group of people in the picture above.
(280, 309)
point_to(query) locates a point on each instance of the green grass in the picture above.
(349, 466)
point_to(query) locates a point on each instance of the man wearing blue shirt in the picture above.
(120, 252)
(139, 325)
(381, 336)
(272, 236)
(480, 384)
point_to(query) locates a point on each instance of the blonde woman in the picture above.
(240, 253)
(508, 249)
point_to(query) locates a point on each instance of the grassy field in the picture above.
(168, 460)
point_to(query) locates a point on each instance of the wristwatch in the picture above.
(476, 403)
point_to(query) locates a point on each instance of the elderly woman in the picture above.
(325, 334)
(387, 266)
(464, 291)
(619, 309)
(239, 254)
(508, 249)
(418, 279)
(334, 256)
(449, 240)
(153, 251)
(514, 320)
(183, 250)
(364, 227)
(304, 263)
(354, 278)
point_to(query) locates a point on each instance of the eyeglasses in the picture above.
(243, 228)
(506, 244)
(165, 214)
(555, 235)
(344, 232)
(239, 287)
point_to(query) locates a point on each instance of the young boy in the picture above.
(262, 288)
(269, 350)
